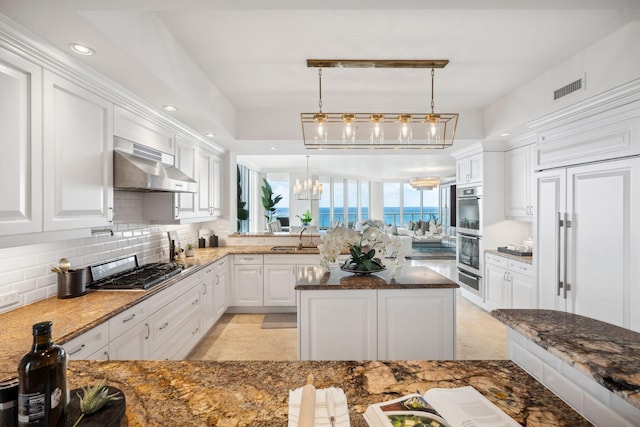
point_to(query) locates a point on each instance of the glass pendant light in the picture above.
(320, 118)
(405, 134)
(377, 130)
(348, 129)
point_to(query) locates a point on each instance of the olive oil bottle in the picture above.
(43, 393)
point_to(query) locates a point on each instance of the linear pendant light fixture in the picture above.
(378, 130)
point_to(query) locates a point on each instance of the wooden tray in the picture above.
(512, 252)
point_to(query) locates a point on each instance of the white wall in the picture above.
(607, 64)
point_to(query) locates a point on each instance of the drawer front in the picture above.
(248, 259)
(521, 267)
(87, 344)
(128, 319)
(288, 259)
(167, 322)
(497, 260)
(172, 292)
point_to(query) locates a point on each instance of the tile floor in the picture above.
(240, 336)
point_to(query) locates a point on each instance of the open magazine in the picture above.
(439, 407)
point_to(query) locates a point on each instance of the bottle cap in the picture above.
(42, 328)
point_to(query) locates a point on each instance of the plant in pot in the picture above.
(243, 213)
(306, 218)
(190, 251)
(268, 200)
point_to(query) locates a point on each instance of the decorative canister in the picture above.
(72, 283)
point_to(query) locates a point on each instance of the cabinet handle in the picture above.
(146, 325)
(177, 213)
(129, 318)
(195, 332)
(567, 225)
(195, 302)
(106, 353)
(77, 350)
(110, 214)
(261, 270)
(164, 325)
(204, 287)
(208, 271)
(559, 225)
(217, 279)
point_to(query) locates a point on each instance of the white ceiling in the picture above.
(238, 68)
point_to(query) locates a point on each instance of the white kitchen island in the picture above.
(342, 316)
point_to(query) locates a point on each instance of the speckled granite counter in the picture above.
(201, 393)
(74, 316)
(526, 259)
(411, 277)
(607, 354)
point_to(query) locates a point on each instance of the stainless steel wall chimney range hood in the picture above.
(140, 168)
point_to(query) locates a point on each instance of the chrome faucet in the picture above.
(303, 230)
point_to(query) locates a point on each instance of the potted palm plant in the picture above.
(268, 200)
(306, 218)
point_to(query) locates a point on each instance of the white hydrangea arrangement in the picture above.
(368, 244)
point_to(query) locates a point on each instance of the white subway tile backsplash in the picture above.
(32, 272)
(11, 277)
(37, 295)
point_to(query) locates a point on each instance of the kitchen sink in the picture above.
(312, 249)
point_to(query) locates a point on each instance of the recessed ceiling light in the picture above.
(274, 148)
(169, 108)
(210, 135)
(504, 134)
(81, 49)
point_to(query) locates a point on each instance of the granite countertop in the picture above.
(608, 354)
(525, 259)
(411, 277)
(255, 393)
(73, 316)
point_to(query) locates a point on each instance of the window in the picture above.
(403, 203)
(244, 195)
(344, 201)
(279, 183)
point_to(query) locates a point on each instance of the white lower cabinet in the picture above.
(209, 316)
(221, 288)
(401, 314)
(509, 283)
(338, 325)
(279, 284)
(88, 343)
(165, 326)
(374, 324)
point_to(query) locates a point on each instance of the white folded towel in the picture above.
(322, 414)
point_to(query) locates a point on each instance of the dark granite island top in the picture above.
(607, 354)
(205, 393)
(411, 277)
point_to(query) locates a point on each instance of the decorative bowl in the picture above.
(362, 272)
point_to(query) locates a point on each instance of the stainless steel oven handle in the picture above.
(469, 236)
(469, 275)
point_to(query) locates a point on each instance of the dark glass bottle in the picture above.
(43, 393)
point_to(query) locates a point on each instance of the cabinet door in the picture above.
(279, 285)
(186, 161)
(131, 345)
(220, 298)
(496, 282)
(209, 310)
(204, 179)
(523, 291)
(217, 185)
(21, 142)
(135, 128)
(78, 148)
(462, 171)
(551, 198)
(518, 182)
(338, 325)
(475, 168)
(90, 342)
(416, 324)
(247, 285)
(603, 200)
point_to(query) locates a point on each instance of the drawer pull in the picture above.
(129, 318)
(164, 325)
(77, 350)
(195, 332)
(148, 331)
(208, 271)
(106, 353)
(195, 302)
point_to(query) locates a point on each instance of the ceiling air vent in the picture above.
(567, 89)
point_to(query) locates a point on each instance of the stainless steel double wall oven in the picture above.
(469, 231)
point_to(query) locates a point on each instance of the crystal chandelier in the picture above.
(424, 183)
(307, 189)
(378, 130)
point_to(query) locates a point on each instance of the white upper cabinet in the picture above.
(469, 169)
(130, 126)
(186, 161)
(21, 142)
(209, 182)
(78, 153)
(518, 183)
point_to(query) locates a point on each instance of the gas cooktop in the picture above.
(125, 273)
